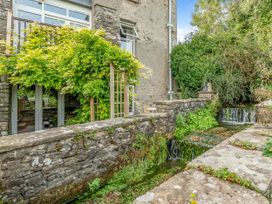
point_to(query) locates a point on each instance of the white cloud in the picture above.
(183, 32)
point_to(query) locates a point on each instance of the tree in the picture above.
(232, 49)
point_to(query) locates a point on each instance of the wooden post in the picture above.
(14, 110)
(111, 91)
(38, 108)
(61, 109)
(92, 109)
(126, 96)
(9, 31)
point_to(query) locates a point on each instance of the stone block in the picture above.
(207, 190)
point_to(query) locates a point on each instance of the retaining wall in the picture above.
(55, 165)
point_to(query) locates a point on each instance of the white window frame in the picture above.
(128, 26)
(66, 5)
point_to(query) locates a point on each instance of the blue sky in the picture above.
(185, 10)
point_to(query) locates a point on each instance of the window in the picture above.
(54, 21)
(78, 15)
(29, 16)
(83, 2)
(54, 12)
(31, 3)
(128, 30)
(55, 9)
(128, 37)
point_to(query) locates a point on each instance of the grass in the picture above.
(247, 145)
(226, 175)
(125, 194)
(268, 149)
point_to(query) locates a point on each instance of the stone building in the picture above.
(139, 26)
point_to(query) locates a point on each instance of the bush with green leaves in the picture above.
(231, 51)
(75, 61)
(201, 119)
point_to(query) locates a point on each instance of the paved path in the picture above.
(247, 164)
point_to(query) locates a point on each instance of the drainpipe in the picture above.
(170, 26)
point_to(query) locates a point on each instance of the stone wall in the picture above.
(4, 86)
(55, 165)
(106, 18)
(264, 112)
(180, 106)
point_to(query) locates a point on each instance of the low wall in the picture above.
(55, 165)
(264, 112)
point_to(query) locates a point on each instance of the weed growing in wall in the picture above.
(268, 149)
(201, 119)
(149, 154)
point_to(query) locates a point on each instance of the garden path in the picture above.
(241, 154)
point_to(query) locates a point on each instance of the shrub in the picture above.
(201, 119)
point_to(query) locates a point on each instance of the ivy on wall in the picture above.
(74, 61)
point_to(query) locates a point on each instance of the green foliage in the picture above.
(94, 185)
(77, 62)
(189, 64)
(232, 50)
(268, 149)
(226, 175)
(201, 119)
(244, 144)
(151, 152)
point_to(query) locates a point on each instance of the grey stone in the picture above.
(248, 164)
(207, 190)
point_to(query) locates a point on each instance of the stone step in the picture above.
(248, 164)
(206, 189)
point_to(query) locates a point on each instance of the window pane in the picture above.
(55, 9)
(26, 109)
(84, 2)
(32, 3)
(128, 31)
(54, 21)
(77, 25)
(127, 45)
(79, 15)
(29, 16)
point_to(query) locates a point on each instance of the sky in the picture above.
(185, 11)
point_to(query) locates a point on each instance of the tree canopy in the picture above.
(231, 49)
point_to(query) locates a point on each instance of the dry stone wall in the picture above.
(55, 165)
(4, 86)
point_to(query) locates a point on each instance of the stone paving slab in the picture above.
(207, 189)
(248, 164)
(257, 141)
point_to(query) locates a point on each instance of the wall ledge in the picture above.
(29, 139)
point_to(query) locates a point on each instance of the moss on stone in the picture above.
(226, 175)
(247, 145)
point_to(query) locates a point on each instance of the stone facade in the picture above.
(107, 19)
(55, 165)
(4, 86)
(150, 19)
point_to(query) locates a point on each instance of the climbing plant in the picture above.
(75, 61)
